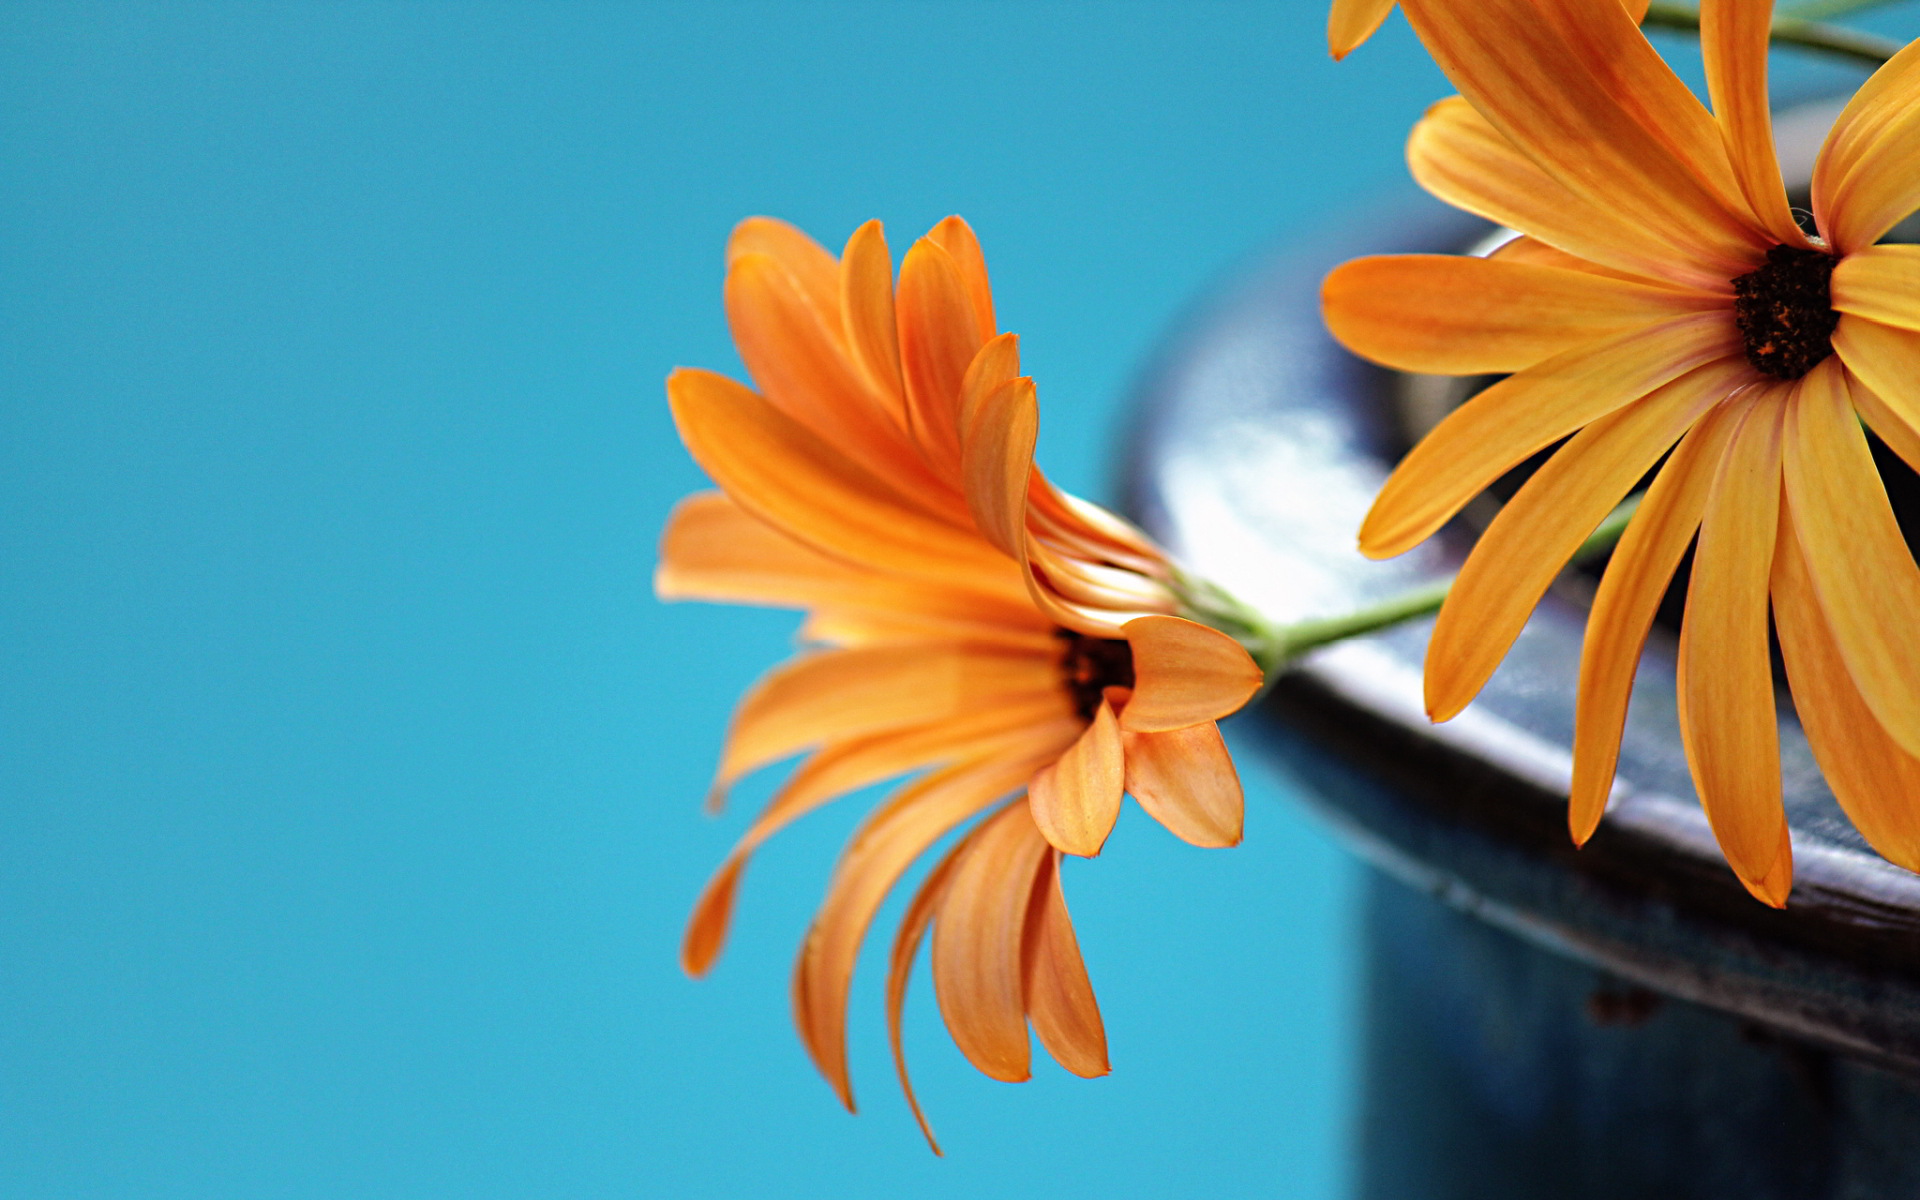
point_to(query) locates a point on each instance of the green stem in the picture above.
(1794, 30)
(1827, 10)
(1275, 647)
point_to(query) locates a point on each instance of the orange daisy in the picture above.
(971, 625)
(1350, 22)
(1664, 304)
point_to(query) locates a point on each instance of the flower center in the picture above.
(1785, 313)
(1092, 665)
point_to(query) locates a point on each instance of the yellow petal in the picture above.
(834, 694)
(1538, 530)
(888, 842)
(1576, 87)
(1184, 674)
(787, 476)
(1075, 801)
(1458, 156)
(1461, 315)
(1483, 438)
(1350, 22)
(939, 335)
(1185, 780)
(906, 948)
(1059, 995)
(1881, 283)
(1733, 41)
(1727, 720)
(996, 456)
(956, 237)
(1868, 584)
(1864, 181)
(977, 942)
(1886, 383)
(1873, 778)
(812, 266)
(867, 317)
(1624, 607)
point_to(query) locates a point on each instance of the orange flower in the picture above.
(973, 624)
(1664, 299)
(1350, 22)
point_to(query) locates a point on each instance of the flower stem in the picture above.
(1794, 30)
(1276, 647)
(1827, 10)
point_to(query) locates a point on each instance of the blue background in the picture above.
(351, 775)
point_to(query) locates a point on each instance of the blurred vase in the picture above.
(1620, 1020)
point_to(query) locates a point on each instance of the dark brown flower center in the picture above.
(1091, 665)
(1785, 312)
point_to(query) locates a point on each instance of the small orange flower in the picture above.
(973, 624)
(1350, 22)
(1663, 299)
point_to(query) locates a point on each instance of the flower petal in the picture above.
(1862, 571)
(812, 265)
(1483, 438)
(1534, 252)
(1733, 41)
(1881, 283)
(867, 317)
(1350, 22)
(1864, 181)
(886, 844)
(906, 948)
(787, 476)
(1576, 87)
(997, 436)
(1727, 719)
(1185, 780)
(939, 335)
(1461, 315)
(1536, 532)
(1076, 800)
(977, 944)
(835, 694)
(1184, 673)
(1875, 780)
(956, 237)
(1885, 365)
(1455, 154)
(1059, 996)
(1624, 606)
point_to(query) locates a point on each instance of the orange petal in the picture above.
(1624, 607)
(1458, 156)
(997, 436)
(1872, 777)
(834, 694)
(906, 948)
(1461, 315)
(812, 266)
(712, 914)
(977, 942)
(787, 476)
(956, 238)
(1868, 584)
(1733, 41)
(1575, 86)
(1076, 800)
(1483, 438)
(939, 335)
(1185, 780)
(1538, 530)
(1534, 252)
(1059, 995)
(1184, 674)
(899, 832)
(1351, 22)
(1881, 283)
(867, 317)
(1864, 181)
(1885, 386)
(1727, 720)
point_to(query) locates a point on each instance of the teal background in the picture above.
(349, 773)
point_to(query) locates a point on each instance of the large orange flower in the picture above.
(1350, 22)
(971, 624)
(1665, 300)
